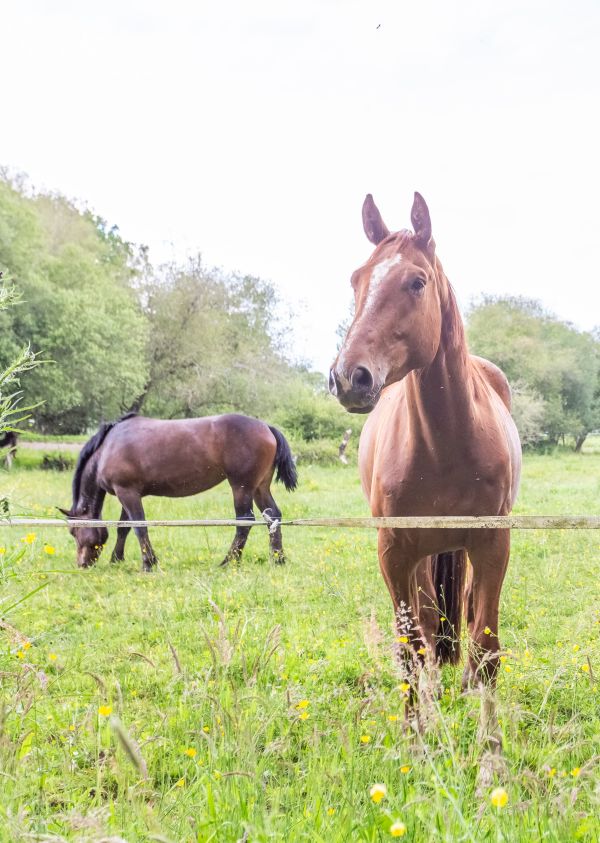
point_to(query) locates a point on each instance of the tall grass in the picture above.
(263, 703)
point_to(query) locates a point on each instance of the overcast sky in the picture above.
(251, 131)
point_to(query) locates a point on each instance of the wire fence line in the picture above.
(452, 522)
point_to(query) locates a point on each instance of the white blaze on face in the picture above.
(378, 275)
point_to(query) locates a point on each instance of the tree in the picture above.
(553, 368)
(78, 310)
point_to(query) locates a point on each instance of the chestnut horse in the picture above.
(137, 456)
(440, 441)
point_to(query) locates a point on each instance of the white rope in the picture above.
(429, 522)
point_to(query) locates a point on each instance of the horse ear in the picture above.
(66, 512)
(375, 228)
(421, 221)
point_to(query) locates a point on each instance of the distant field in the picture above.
(266, 700)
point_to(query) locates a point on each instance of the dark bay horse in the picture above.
(440, 440)
(137, 456)
(9, 441)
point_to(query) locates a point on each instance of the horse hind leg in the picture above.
(267, 505)
(242, 502)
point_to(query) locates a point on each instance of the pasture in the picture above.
(260, 702)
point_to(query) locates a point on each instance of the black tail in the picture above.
(449, 571)
(284, 461)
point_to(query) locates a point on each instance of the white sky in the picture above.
(251, 131)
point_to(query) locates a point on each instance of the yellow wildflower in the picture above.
(27, 645)
(378, 792)
(206, 729)
(402, 639)
(105, 710)
(499, 797)
(52, 657)
(392, 718)
(552, 772)
(180, 783)
(575, 647)
(487, 630)
(20, 654)
(191, 752)
(422, 651)
(304, 715)
(585, 668)
(331, 811)
(365, 738)
(405, 769)
(2, 551)
(398, 829)
(575, 771)
(49, 550)
(29, 538)
(302, 704)
(405, 687)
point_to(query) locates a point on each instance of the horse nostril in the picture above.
(361, 379)
(332, 383)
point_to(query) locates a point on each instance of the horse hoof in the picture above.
(279, 559)
(114, 560)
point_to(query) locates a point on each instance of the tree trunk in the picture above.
(579, 442)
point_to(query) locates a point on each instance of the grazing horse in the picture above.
(440, 440)
(137, 456)
(9, 441)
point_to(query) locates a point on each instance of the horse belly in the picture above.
(181, 484)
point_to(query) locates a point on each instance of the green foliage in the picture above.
(553, 368)
(251, 643)
(78, 310)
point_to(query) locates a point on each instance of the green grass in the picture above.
(220, 662)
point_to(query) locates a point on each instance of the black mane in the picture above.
(88, 450)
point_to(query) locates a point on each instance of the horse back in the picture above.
(180, 457)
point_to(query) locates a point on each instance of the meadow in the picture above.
(260, 702)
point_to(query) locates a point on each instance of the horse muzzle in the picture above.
(358, 392)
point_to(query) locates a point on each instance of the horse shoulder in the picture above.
(495, 377)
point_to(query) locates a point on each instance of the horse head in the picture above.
(397, 317)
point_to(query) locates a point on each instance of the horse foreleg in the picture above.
(489, 551)
(118, 553)
(266, 503)
(399, 573)
(242, 501)
(132, 505)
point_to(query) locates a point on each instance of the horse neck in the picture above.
(441, 393)
(91, 496)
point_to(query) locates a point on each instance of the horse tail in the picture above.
(449, 572)
(88, 450)
(284, 461)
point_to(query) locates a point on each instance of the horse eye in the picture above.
(417, 285)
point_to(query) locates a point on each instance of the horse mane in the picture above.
(453, 329)
(88, 450)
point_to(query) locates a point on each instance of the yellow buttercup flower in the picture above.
(392, 718)
(402, 639)
(365, 738)
(585, 668)
(398, 829)
(422, 651)
(49, 550)
(302, 704)
(575, 771)
(2, 551)
(191, 752)
(378, 792)
(52, 657)
(499, 797)
(180, 783)
(105, 710)
(487, 630)
(405, 769)
(304, 715)
(331, 811)
(29, 538)
(405, 687)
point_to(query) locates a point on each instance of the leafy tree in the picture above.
(553, 368)
(78, 309)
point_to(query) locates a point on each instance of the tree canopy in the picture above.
(553, 368)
